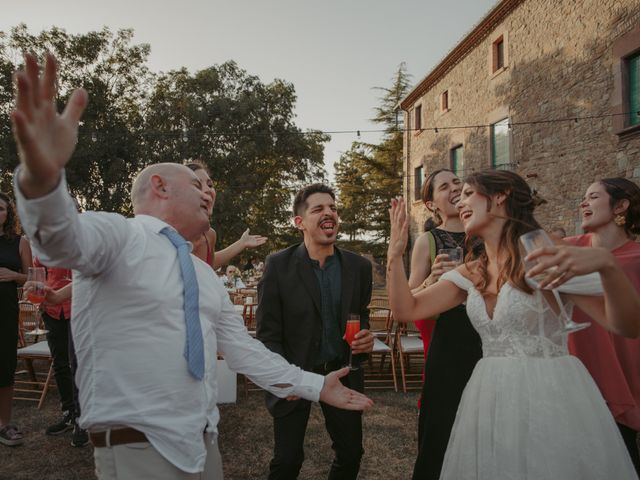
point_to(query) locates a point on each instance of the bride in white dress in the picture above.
(530, 410)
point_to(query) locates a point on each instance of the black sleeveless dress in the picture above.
(454, 350)
(9, 258)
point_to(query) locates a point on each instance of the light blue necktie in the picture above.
(194, 348)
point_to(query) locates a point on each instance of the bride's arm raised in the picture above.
(618, 310)
(427, 303)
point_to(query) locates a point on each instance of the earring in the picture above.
(620, 220)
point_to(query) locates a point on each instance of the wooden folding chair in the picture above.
(407, 343)
(34, 389)
(28, 321)
(381, 326)
(236, 297)
(249, 316)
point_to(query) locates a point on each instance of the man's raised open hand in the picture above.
(45, 138)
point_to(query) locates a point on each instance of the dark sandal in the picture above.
(11, 436)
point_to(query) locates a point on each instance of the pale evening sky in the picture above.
(333, 51)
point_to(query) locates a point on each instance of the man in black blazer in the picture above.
(304, 297)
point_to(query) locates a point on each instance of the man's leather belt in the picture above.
(118, 436)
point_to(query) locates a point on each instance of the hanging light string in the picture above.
(505, 166)
(185, 133)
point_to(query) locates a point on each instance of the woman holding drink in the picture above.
(15, 259)
(530, 410)
(611, 217)
(453, 347)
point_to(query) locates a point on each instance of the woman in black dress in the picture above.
(455, 346)
(15, 259)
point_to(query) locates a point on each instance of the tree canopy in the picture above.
(369, 175)
(242, 128)
(115, 74)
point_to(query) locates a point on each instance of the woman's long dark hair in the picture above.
(519, 204)
(427, 196)
(11, 227)
(622, 189)
(198, 164)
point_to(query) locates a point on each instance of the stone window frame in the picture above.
(454, 147)
(417, 119)
(418, 181)
(499, 35)
(623, 48)
(500, 113)
(445, 101)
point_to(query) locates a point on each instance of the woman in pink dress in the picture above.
(611, 217)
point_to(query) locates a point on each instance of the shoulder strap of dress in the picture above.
(460, 280)
(209, 253)
(432, 246)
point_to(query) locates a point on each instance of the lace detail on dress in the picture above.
(523, 325)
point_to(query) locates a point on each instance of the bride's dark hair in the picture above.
(519, 204)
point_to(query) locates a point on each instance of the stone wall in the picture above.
(561, 63)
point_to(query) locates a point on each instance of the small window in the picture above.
(500, 145)
(498, 54)
(418, 118)
(444, 101)
(633, 70)
(417, 182)
(457, 160)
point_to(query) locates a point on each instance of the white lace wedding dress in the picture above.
(530, 410)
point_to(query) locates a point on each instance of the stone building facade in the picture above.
(541, 87)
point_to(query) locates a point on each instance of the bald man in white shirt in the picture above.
(148, 414)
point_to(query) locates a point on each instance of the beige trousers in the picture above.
(140, 461)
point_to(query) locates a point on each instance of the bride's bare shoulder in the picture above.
(470, 271)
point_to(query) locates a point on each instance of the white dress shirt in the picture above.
(129, 328)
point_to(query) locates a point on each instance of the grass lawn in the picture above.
(390, 437)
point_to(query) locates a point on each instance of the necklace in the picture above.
(453, 240)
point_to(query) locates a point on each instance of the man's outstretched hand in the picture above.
(45, 138)
(335, 394)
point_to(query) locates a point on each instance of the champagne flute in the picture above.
(353, 327)
(534, 240)
(36, 278)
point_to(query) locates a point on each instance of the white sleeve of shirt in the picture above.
(61, 237)
(244, 354)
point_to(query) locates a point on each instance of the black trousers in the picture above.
(344, 428)
(63, 354)
(630, 438)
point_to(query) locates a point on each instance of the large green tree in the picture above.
(244, 131)
(114, 73)
(241, 127)
(369, 175)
